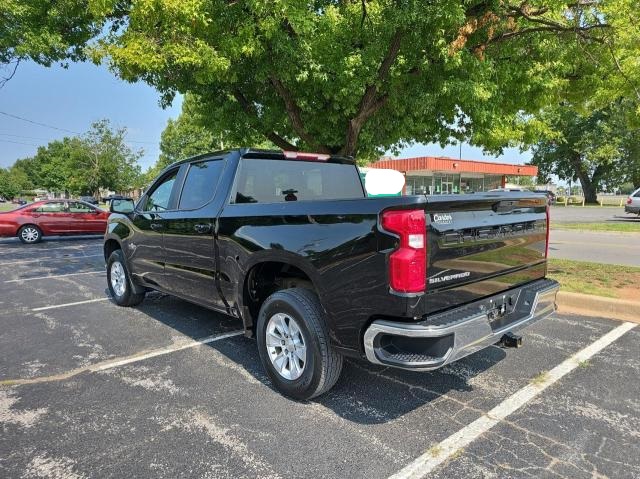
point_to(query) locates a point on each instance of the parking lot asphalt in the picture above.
(601, 247)
(168, 389)
(591, 214)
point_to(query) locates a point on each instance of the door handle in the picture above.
(156, 226)
(203, 228)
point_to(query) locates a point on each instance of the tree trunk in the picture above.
(588, 186)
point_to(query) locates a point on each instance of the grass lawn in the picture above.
(628, 227)
(7, 206)
(612, 281)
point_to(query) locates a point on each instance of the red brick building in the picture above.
(429, 175)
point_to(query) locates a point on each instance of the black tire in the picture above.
(127, 297)
(30, 234)
(323, 364)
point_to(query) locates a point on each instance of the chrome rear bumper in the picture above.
(441, 339)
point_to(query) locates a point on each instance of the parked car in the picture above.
(2, 200)
(110, 198)
(289, 244)
(53, 217)
(19, 201)
(89, 199)
(633, 203)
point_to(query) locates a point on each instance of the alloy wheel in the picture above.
(118, 278)
(286, 346)
(30, 234)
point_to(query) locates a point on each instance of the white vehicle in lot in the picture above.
(633, 203)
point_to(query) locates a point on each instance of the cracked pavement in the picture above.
(209, 411)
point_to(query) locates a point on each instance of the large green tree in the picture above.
(100, 159)
(357, 77)
(105, 161)
(9, 185)
(600, 148)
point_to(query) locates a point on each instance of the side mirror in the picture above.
(124, 206)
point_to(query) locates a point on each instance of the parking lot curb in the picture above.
(598, 306)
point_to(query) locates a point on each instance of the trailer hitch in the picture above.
(510, 340)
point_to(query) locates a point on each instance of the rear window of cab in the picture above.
(278, 181)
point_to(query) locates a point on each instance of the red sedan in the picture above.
(53, 217)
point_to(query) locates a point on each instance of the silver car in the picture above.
(633, 203)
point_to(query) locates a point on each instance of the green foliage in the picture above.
(9, 187)
(350, 77)
(44, 31)
(195, 132)
(600, 148)
(185, 137)
(84, 165)
(358, 77)
(104, 161)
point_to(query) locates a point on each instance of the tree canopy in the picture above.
(45, 32)
(356, 77)
(600, 148)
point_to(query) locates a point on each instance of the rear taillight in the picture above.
(546, 253)
(408, 263)
(629, 201)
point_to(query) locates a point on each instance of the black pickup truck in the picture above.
(290, 245)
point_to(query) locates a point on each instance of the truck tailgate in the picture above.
(482, 244)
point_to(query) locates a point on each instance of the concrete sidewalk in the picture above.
(610, 248)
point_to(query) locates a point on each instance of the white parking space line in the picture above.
(7, 263)
(438, 454)
(53, 276)
(45, 308)
(163, 351)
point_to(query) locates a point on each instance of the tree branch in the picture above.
(371, 101)
(250, 110)
(295, 115)
(6, 80)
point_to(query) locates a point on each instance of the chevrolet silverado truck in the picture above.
(290, 245)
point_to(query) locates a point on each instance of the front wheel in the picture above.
(119, 281)
(294, 347)
(30, 234)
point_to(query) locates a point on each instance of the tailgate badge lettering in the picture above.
(438, 278)
(442, 218)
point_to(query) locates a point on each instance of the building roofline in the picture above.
(437, 163)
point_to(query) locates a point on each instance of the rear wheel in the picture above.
(294, 347)
(30, 234)
(119, 281)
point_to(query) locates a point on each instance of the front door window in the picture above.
(159, 198)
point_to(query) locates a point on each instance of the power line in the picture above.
(38, 123)
(63, 129)
(27, 137)
(17, 142)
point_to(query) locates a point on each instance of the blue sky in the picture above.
(73, 98)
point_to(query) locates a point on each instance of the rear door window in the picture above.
(53, 207)
(277, 181)
(75, 207)
(200, 184)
